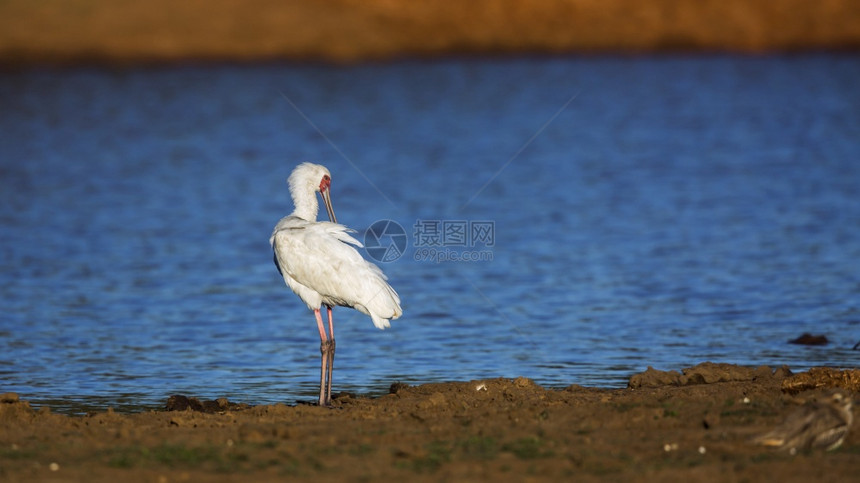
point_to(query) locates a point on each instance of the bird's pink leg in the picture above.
(330, 357)
(324, 351)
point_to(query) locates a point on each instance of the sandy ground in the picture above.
(667, 426)
(127, 31)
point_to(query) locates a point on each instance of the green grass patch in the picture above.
(8, 453)
(438, 453)
(479, 447)
(669, 411)
(173, 456)
(362, 449)
(527, 448)
(624, 407)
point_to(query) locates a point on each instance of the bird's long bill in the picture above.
(326, 196)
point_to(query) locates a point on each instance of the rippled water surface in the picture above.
(644, 211)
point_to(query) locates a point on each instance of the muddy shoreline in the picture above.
(695, 424)
(344, 31)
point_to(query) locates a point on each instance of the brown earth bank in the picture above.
(693, 425)
(127, 31)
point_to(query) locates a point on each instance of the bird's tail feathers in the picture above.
(379, 322)
(383, 305)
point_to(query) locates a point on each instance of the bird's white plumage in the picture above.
(319, 262)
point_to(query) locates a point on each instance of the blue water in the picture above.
(657, 211)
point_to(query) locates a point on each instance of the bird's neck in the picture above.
(307, 206)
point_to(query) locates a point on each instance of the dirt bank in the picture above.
(690, 426)
(125, 31)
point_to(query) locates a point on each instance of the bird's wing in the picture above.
(322, 257)
(830, 428)
(830, 439)
(338, 231)
(815, 425)
(794, 426)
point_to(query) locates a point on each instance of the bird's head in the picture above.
(839, 398)
(307, 179)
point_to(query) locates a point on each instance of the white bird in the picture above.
(320, 264)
